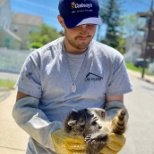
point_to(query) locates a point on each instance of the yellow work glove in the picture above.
(115, 144)
(66, 144)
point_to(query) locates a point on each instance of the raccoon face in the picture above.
(75, 124)
(95, 122)
(83, 122)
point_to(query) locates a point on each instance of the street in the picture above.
(140, 136)
(140, 104)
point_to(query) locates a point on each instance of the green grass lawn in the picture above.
(7, 84)
(137, 69)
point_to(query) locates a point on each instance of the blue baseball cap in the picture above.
(79, 12)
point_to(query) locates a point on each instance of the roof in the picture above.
(2, 2)
(26, 19)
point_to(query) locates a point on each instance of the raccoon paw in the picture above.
(96, 138)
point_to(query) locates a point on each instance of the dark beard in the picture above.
(82, 46)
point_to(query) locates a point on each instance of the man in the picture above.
(71, 72)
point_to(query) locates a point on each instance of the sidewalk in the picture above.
(8, 76)
(147, 78)
(13, 140)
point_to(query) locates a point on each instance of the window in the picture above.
(15, 29)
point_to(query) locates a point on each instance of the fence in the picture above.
(12, 60)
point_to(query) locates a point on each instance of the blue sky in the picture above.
(45, 8)
(48, 9)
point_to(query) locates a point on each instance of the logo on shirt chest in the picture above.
(91, 77)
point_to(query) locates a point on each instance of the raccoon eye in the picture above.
(94, 123)
(82, 126)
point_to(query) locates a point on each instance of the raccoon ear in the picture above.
(71, 122)
(74, 111)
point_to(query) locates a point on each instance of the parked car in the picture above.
(140, 62)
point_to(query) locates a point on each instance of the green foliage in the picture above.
(137, 69)
(121, 44)
(129, 24)
(35, 45)
(44, 35)
(7, 84)
(134, 68)
(110, 13)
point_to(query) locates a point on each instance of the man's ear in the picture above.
(61, 20)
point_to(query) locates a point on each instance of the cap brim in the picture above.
(71, 23)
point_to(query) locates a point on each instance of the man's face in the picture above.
(77, 39)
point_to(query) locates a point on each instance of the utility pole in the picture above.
(148, 36)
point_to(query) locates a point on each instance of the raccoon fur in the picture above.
(93, 126)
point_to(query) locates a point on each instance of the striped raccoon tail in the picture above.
(119, 123)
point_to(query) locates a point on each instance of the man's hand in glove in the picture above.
(115, 144)
(65, 144)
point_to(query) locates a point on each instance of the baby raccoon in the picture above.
(92, 125)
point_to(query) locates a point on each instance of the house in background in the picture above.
(23, 24)
(15, 27)
(133, 47)
(142, 45)
(5, 14)
(148, 33)
(7, 38)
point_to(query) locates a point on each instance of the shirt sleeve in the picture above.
(119, 82)
(34, 121)
(26, 111)
(29, 80)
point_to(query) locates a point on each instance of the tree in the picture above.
(44, 35)
(110, 13)
(130, 23)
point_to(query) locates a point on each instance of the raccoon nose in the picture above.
(99, 127)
